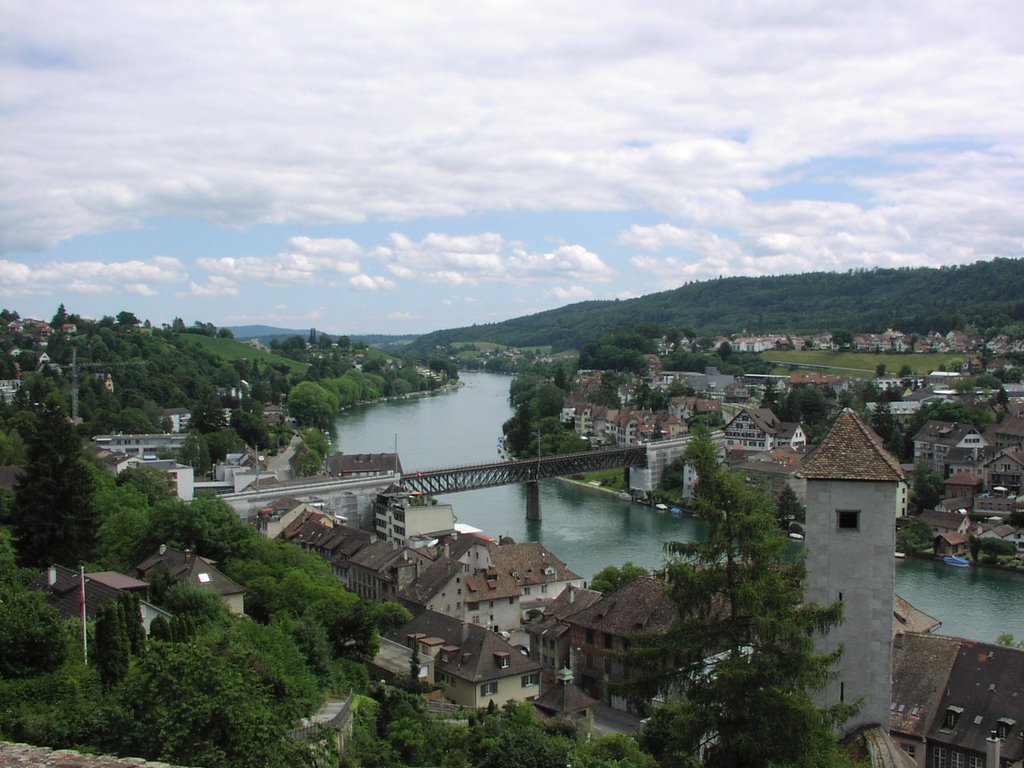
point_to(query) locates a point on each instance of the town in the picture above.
(486, 621)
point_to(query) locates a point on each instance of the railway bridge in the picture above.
(530, 471)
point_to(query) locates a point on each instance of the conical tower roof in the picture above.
(851, 451)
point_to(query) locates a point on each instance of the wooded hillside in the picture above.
(985, 294)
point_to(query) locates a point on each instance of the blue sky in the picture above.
(402, 168)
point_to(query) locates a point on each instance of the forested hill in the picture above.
(986, 294)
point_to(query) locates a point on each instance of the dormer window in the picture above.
(952, 715)
(1003, 727)
(502, 660)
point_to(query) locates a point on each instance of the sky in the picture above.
(403, 167)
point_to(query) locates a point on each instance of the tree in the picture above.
(914, 535)
(312, 405)
(788, 509)
(54, 517)
(31, 641)
(612, 578)
(925, 488)
(195, 453)
(111, 649)
(742, 650)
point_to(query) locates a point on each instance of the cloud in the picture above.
(371, 283)
(216, 285)
(763, 138)
(307, 260)
(89, 277)
(571, 293)
(485, 258)
(399, 316)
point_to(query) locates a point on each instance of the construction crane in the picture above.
(74, 366)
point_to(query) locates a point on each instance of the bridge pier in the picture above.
(532, 500)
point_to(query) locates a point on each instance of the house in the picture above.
(477, 667)
(951, 544)
(180, 418)
(963, 486)
(956, 702)
(550, 633)
(410, 518)
(350, 465)
(565, 703)
(333, 542)
(540, 574)
(64, 591)
(1003, 472)
(381, 570)
(139, 445)
(760, 429)
(947, 522)
(935, 439)
(198, 571)
(1009, 433)
(641, 607)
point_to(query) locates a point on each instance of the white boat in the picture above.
(662, 507)
(796, 536)
(900, 555)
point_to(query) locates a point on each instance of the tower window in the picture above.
(848, 519)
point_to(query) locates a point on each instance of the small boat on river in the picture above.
(957, 561)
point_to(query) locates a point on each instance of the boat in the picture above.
(662, 507)
(900, 555)
(796, 536)
(676, 511)
(957, 561)
(624, 495)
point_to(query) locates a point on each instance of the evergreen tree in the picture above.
(54, 520)
(743, 662)
(134, 630)
(111, 649)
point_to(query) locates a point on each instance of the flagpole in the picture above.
(81, 606)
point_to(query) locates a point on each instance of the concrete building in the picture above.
(853, 488)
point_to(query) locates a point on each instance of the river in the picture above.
(590, 529)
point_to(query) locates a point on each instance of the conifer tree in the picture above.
(111, 650)
(738, 665)
(54, 520)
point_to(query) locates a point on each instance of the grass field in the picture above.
(229, 349)
(861, 364)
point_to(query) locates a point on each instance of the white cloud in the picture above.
(216, 285)
(571, 293)
(371, 283)
(90, 277)
(399, 316)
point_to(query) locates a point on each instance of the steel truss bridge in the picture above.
(473, 477)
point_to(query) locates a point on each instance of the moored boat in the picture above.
(957, 561)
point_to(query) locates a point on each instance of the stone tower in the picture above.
(853, 496)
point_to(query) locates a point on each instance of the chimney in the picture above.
(465, 632)
(163, 550)
(992, 750)
(897, 642)
(572, 595)
(51, 575)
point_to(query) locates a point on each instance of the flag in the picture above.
(81, 612)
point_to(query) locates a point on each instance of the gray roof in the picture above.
(473, 652)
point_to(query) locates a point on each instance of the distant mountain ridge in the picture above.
(266, 333)
(914, 300)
